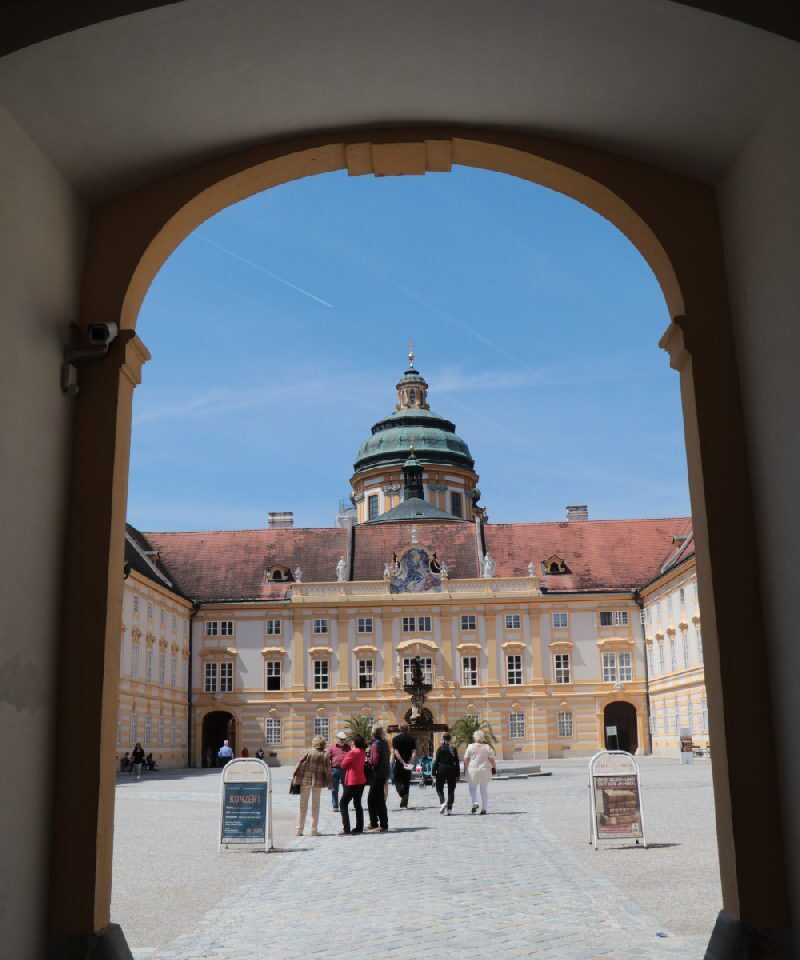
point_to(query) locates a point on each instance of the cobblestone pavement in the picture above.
(494, 886)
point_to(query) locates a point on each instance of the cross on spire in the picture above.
(410, 353)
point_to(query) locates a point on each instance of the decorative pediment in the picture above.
(561, 644)
(273, 652)
(468, 645)
(320, 651)
(513, 643)
(365, 648)
(615, 642)
(418, 642)
(554, 565)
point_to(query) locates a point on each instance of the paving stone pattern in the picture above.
(496, 886)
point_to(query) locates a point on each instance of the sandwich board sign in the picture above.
(245, 815)
(615, 798)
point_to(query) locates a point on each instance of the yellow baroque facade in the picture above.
(283, 633)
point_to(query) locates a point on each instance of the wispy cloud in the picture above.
(268, 273)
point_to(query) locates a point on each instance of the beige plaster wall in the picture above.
(41, 247)
(760, 211)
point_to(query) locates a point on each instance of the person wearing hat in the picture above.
(336, 754)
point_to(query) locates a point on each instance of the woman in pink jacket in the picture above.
(354, 782)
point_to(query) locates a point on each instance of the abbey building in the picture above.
(555, 633)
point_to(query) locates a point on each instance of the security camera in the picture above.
(102, 333)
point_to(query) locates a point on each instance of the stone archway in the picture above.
(218, 726)
(671, 220)
(621, 716)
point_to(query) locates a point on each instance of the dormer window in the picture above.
(554, 565)
(277, 574)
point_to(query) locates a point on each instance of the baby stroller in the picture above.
(425, 771)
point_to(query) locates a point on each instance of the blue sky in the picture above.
(280, 327)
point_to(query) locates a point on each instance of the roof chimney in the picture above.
(280, 520)
(578, 512)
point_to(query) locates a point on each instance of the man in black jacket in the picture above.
(446, 770)
(376, 797)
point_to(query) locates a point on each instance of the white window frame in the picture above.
(704, 715)
(673, 655)
(566, 724)
(699, 641)
(560, 620)
(366, 674)
(162, 668)
(469, 671)
(690, 715)
(161, 731)
(135, 661)
(322, 674)
(685, 643)
(148, 665)
(409, 624)
(364, 625)
(173, 671)
(320, 626)
(610, 674)
(210, 676)
(149, 610)
(274, 669)
(273, 730)
(322, 728)
(185, 673)
(661, 658)
(625, 666)
(514, 676)
(226, 676)
(163, 618)
(516, 726)
(148, 728)
(226, 628)
(562, 668)
(424, 624)
(469, 622)
(649, 651)
(513, 621)
(212, 628)
(174, 621)
(273, 628)
(682, 597)
(135, 604)
(134, 729)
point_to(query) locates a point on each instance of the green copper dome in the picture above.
(434, 438)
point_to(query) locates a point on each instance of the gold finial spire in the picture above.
(411, 353)
(412, 438)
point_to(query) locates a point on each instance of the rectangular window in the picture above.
(606, 618)
(364, 625)
(273, 628)
(625, 667)
(210, 678)
(135, 604)
(649, 660)
(366, 674)
(148, 728)
(643, 616)
(409, 624)
(469, 671)
(673, 657)
(661, 658)
(149, 610)
(703, 715)
(272, 730)
(669, 603)
(561, 668)
(174, 621)
(560, 620)
(148, 670)
(185, 674)
(173, 732)
(677, 719)
(322, 677)
(516, 726)
(614, 618)
(651, 723)
(320, 626)
(273, 674)
(163, 618)
(322, 728)
(173, 672)
(162, 669)
(682, 596)
(427, 669)
(609, 668)
(512, 621)
(134, 661)
(161, 730)
(424, 624)
(134, 728)
(372, 507)
(468, 622)
(226, 676)
(455, 503)
(514, 669)
(690, 716)
(565, 724)
(620, 618)
(658, 610)
(699, 644)
(685, 641)
(212, 628)
(226, 628)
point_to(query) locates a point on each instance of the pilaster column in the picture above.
(537, 666)
(343, 621)
(446, 646)
(490, 619)
(298, 652)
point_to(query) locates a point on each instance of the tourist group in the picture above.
(354, 767)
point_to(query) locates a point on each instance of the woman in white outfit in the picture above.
(479, 766)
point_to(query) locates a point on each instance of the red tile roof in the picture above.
(599, 554)
(455, 543)
(230, 564)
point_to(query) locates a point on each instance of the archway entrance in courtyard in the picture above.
(218, 726)
(642, 203)
(621, 717)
